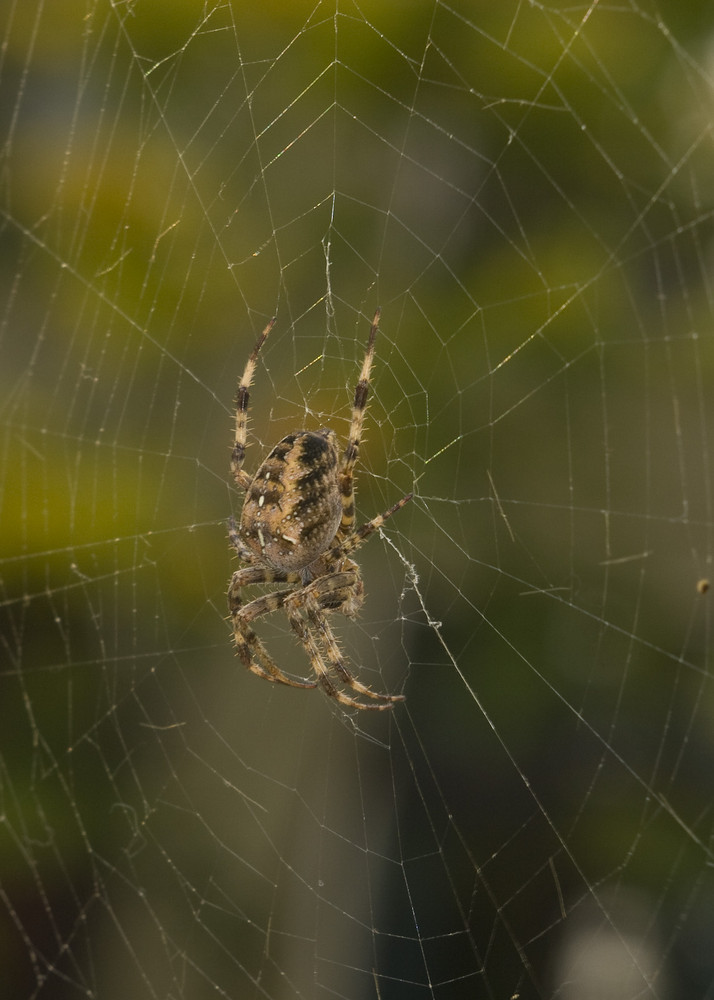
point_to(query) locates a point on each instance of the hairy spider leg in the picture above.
(326, 594)
(355, 435)
(329, 592)
(242, 397)
(253, 654)
(363, 532)
(250, 649)
(323, 595)
(301, 629)
(336, 660)
(244, 553)
(332, 590)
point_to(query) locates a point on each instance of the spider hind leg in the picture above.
(242, 397)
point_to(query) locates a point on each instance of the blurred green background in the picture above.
(526, 190)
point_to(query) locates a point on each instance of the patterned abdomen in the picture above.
(293, 508)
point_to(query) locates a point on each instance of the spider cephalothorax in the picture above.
(297, 527)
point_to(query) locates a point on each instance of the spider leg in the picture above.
(336, 660)
(234, 538)
(248, 576)
(249, 648)
(308, 599)
(365, 530)
(340, 591)
(242, 396)
(256, 658)
(301, 629)
(355, 436)
(264, 605)
(355, 539)
(328, 589)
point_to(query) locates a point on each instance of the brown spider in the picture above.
(298, 527)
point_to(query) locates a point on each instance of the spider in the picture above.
(297, 527)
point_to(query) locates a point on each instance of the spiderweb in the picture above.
(526, 191)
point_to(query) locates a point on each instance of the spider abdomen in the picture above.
(293, 507)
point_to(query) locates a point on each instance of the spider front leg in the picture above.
(311, 599)
(249, 648)
(343, 591)
(301, 629)
(337, 663)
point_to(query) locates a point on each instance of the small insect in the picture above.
(297, 527)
